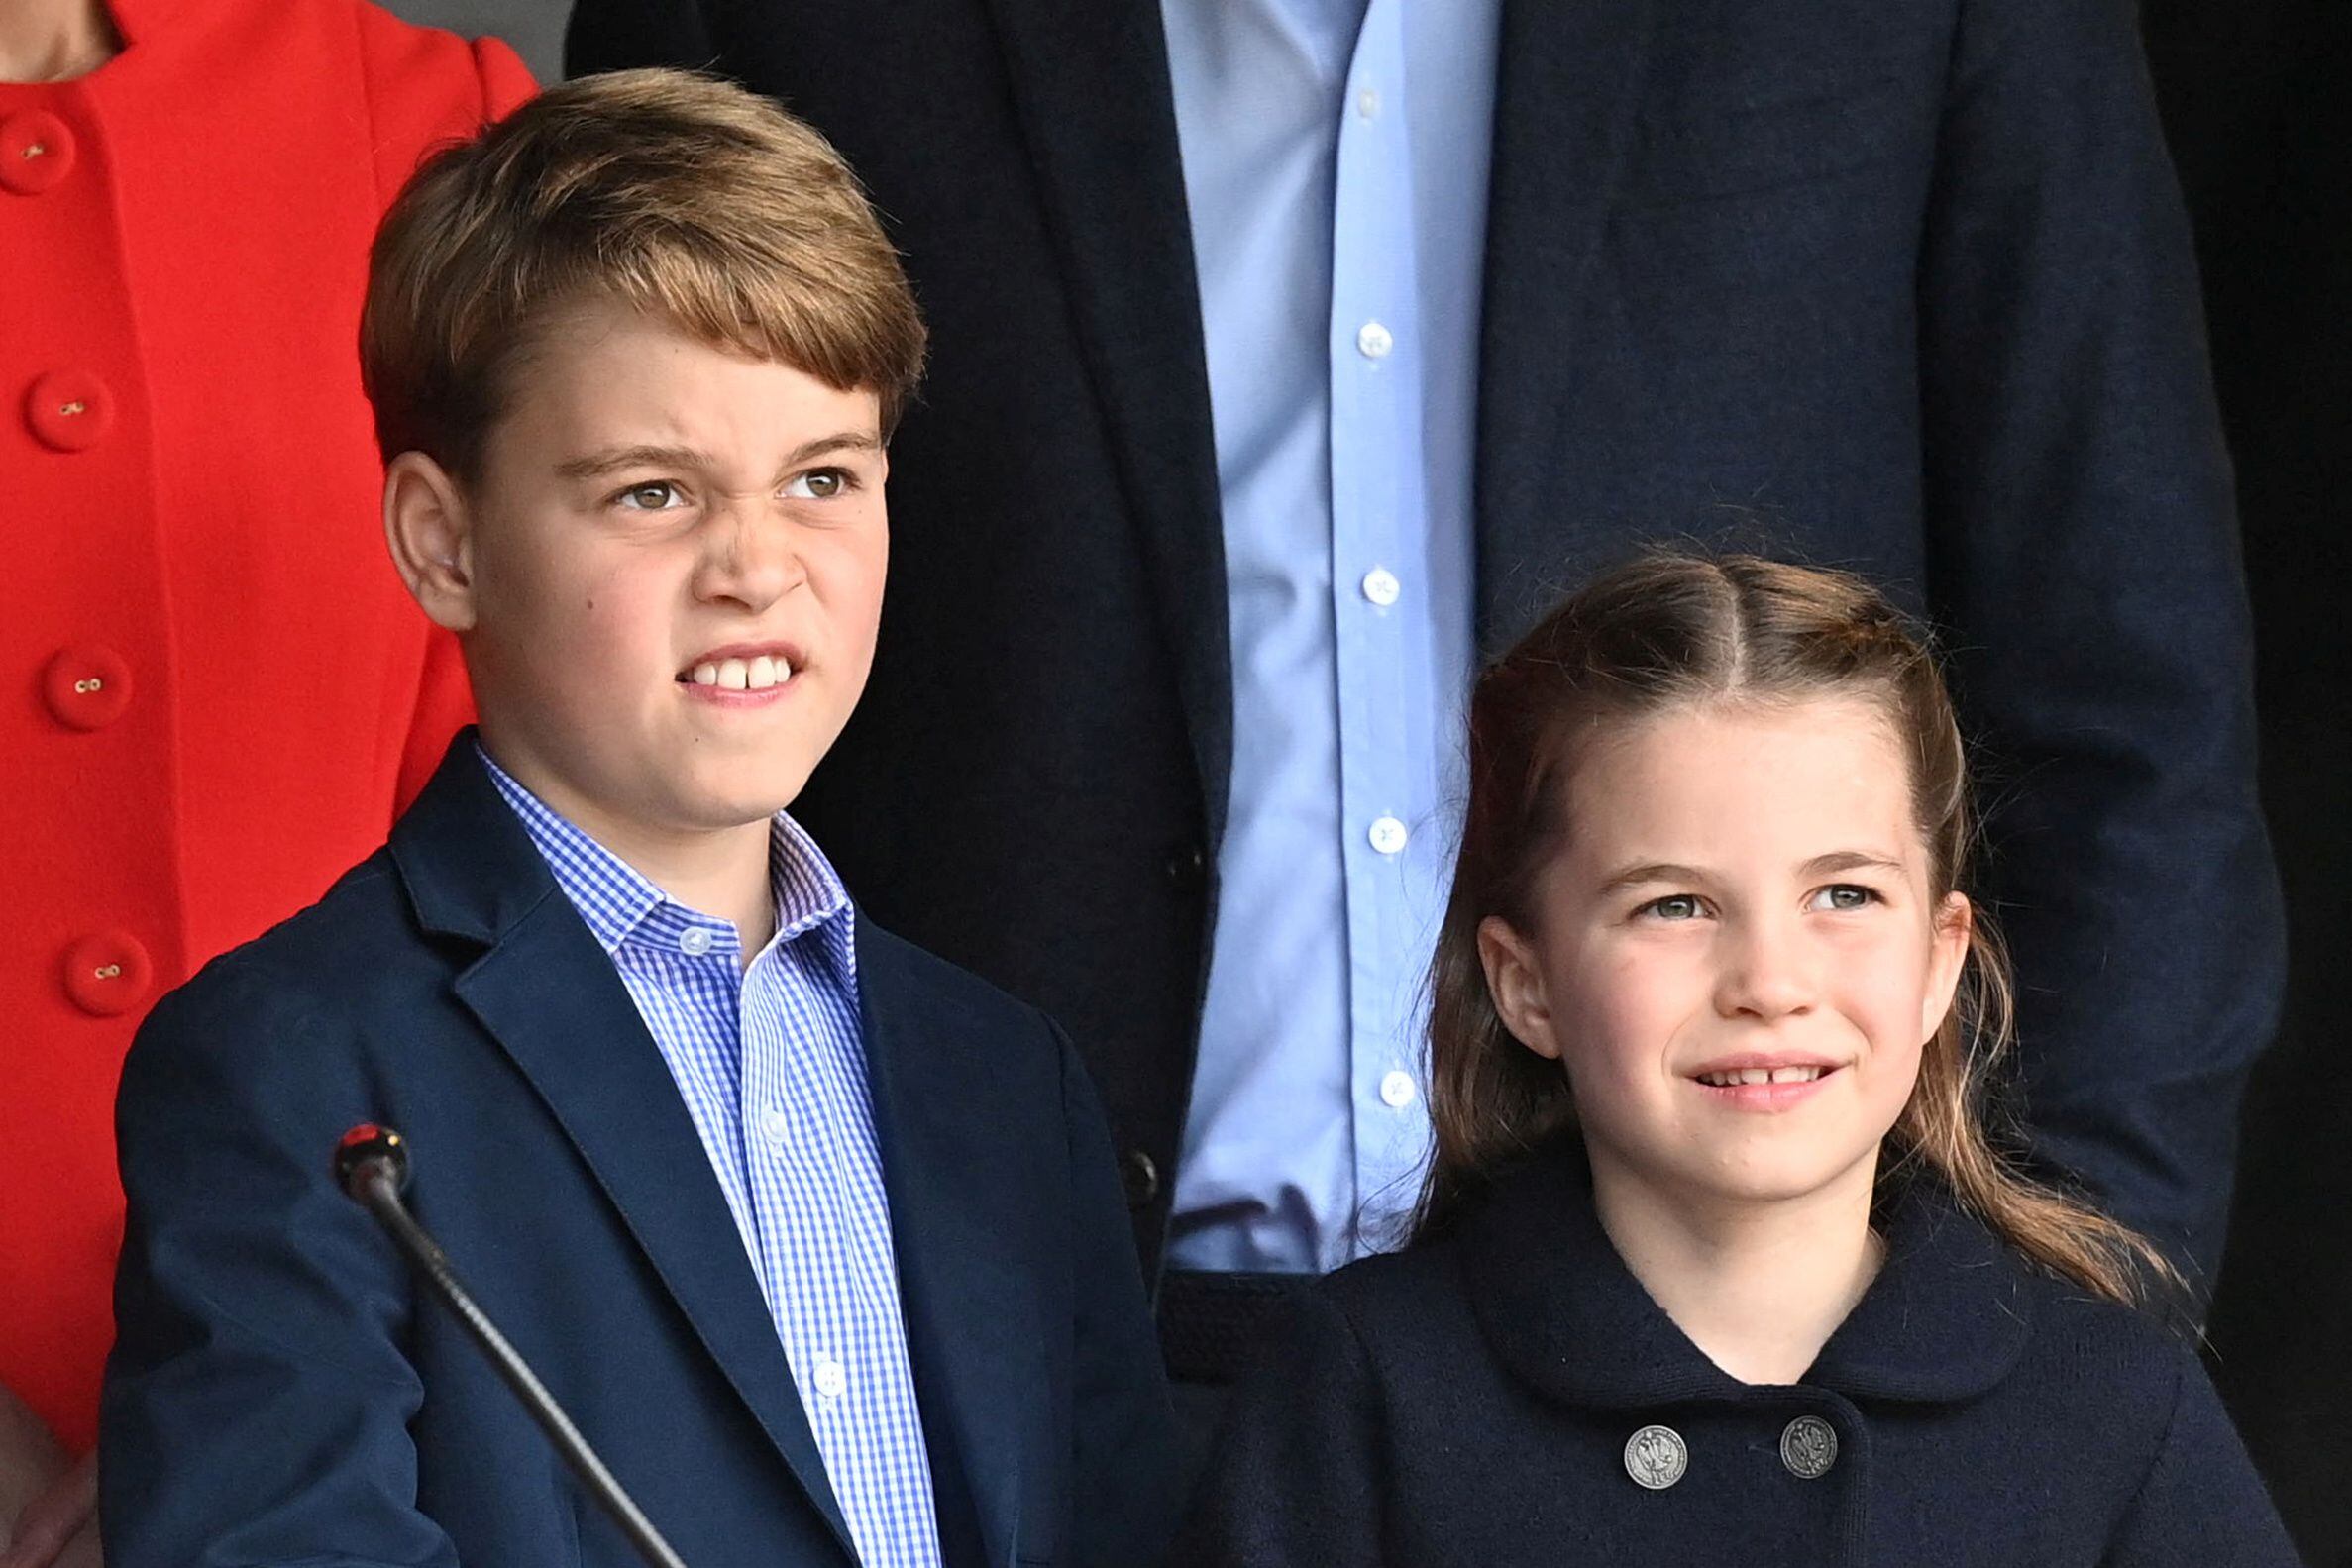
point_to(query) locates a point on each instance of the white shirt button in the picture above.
(1381, 586)
(776, 1127)
(694, 941)
(1373, 342)
(1396, 1091)
(832, 1378)
(1367, 103)
(1388, 835)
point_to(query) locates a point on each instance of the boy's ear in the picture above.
(1517, 986)
(427, 523)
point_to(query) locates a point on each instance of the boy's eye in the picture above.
(1843, 895)
(820, 485)
(1674, 906)
(657, 495)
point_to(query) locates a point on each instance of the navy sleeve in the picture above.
(1123, 1461)
(2084, 562)
(1297, 1481)
(256, 1402)
(2202, 1503)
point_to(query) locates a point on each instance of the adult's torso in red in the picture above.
(213, 691)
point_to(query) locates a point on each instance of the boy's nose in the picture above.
(749, 558)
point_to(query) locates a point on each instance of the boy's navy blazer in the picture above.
(281, 1391)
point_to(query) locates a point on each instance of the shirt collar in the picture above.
(619, 904)
(1946, 1319)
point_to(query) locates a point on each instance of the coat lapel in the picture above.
(1091, 83)
(1570, 81)
(549, 996)
(972, 1331)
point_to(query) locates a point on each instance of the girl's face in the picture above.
(1737, 954)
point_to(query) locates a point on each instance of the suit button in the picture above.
(1656, 1457)
(86, 688)
(1140, 1177)
(1188, 869)
(107, 974)
(68, 410)
(36, 151)
(1809, 1447)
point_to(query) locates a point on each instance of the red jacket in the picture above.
(216, 693)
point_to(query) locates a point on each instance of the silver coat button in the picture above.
(1809, 1447)
(1656, 1457)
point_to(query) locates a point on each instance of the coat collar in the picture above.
(544, 989)
(1946, 1319)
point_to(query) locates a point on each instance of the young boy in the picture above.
(817, 1237)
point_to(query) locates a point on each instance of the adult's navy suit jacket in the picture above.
(1902, 285)
(281, 1391)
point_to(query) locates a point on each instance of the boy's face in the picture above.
(668, 575)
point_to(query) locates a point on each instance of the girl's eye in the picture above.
(1674, 906)
(1843, 895)
(820, 485)
(658, 496)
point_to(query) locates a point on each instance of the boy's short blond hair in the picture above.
(688, 198)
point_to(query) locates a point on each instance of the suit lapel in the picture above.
(1570, 81)
(1091, 83)
(971, 1333)
(548, 994)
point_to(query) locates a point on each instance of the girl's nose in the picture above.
(1766, 974)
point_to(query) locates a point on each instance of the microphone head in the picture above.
(367, 1148)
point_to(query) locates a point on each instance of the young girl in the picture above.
(1715, 1263)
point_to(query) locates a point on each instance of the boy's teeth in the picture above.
(762, 673)
(733, 673)
(706, 674)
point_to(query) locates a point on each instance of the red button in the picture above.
(68, 410)
(87, 687)
(36, 151)
(108, 973)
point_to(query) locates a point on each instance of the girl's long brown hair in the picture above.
(1676, 630)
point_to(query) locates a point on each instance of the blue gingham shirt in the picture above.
(771, 1061)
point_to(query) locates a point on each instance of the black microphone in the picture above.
(372, 1166)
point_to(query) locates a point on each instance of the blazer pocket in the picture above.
(1717, 134)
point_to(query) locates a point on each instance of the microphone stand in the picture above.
(372, 1166)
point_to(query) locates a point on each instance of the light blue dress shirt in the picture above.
(1336, 158)
(771, 1061)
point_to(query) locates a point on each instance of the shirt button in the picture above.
(1656, 1457)
(1367, 104)
(86, 688)
(1809, 1447)
(832, 1378)
(36, 151)
(107, 974)
(1381, 586)
(1373, 342)
(694, 941)
(1388, 835)
(1396, 1091)
(776, 1127)
(68, 410)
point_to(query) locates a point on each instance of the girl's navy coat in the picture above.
(1471, 1402)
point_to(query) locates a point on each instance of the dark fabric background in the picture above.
(2251, 91)
(2253, 94)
